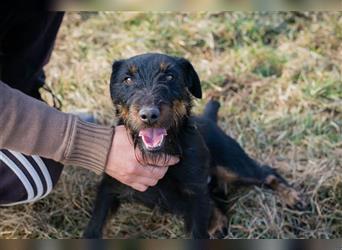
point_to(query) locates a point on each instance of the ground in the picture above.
(279, 79)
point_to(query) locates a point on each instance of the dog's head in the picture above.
(152, 96)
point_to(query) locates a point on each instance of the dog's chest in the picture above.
(183, 181)
(174, 191)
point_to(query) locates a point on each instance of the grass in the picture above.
(279, 79)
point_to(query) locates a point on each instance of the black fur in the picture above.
(198, 141)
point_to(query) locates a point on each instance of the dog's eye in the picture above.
(169, 77)
(128, 80)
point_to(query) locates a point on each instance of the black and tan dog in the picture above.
(152, 95)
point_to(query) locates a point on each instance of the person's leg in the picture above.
(26, 43)
(26, 178)
(27, 40)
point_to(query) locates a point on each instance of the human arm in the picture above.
(32, 127)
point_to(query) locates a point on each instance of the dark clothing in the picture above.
(26, 178)
(26, 43)
(31, 127)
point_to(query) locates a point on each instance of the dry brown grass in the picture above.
(279, 80)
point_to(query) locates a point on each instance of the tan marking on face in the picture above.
(121, 111)
(165, 116)
(124, 113)
(163, 66)
(134, 118)
(169, 116)
(132, 69)
(179, 110)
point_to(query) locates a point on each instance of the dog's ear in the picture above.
(192, 80)
(115, 69)
(116, 66)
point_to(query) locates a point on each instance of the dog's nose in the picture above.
(149, 114)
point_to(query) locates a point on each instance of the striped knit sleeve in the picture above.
(31, 127)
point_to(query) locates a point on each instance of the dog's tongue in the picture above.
(152, 137)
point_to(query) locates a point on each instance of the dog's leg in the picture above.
(105, 201)
(234, 165)
(197, 217)
(264, 175)
(218, 224)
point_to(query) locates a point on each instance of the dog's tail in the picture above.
(211, 110)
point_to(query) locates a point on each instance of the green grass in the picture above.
(278, 77)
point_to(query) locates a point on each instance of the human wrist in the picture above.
(89, 146)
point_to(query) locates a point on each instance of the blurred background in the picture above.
(173, 244)
(278, 76)
(194, 5)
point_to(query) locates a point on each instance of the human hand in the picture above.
(123, 165)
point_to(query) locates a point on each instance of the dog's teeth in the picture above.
(161, 141)
(158, 145)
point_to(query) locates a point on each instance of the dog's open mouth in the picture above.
(153, 138)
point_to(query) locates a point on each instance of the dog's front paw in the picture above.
(218, 228)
